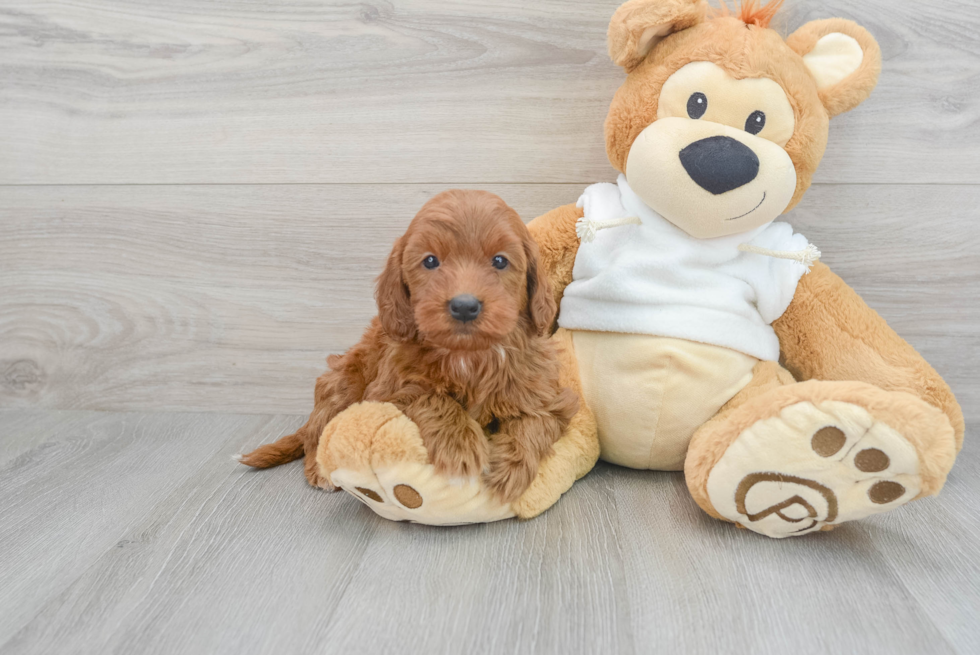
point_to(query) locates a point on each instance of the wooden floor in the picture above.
(195, 198)
(137, 533)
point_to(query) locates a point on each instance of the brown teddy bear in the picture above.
(681, 312)
(707, 336)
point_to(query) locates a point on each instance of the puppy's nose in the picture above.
(465, 308)
(720, 163)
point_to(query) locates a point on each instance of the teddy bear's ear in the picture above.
(843, 58)
(638, 25)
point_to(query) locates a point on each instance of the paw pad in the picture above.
(373, 495)
(407, 496)
(885, 491)
(871, 460)
(828, 441)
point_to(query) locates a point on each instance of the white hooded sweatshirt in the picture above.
(656, 279)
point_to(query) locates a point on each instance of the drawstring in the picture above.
(808, 256)
(587, 229)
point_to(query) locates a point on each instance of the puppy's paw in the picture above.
(459, 458)
(315, 479)
(320, 482)
(508, 480)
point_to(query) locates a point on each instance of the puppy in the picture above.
(459, 345)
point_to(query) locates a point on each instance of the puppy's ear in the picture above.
(541, 306)
(392, 295)
(639, 25)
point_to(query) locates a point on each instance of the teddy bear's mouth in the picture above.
(751, 210)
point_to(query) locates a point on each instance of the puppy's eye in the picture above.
(755, 122)
(431, 262)
(499, 262)
(697, 104)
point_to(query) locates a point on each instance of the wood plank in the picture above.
(232, 560)
(258, 563)
(697, 585)
(119, 91)
(228, 299)
(64, 504)
(552, 585)
(217, 559)
(250, 286)
(22, 431)
(933, 547)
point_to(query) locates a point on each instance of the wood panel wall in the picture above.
(195, 197)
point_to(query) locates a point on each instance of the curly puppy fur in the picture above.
(484, 393)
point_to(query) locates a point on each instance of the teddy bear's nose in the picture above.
(720, 163)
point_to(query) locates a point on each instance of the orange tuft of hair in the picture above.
(751, 12)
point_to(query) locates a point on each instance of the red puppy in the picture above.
(460, 346)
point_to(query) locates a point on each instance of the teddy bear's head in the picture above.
(721, 122)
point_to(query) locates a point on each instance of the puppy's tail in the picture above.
(279, 452)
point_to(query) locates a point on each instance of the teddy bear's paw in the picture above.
(375, 453)
(410, 491)
(816, 465)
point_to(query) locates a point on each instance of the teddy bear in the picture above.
(702, 334)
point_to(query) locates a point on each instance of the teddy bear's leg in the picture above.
(786, 458)
(829, 333)
(375, 452)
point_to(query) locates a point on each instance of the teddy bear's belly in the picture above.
(650, 394)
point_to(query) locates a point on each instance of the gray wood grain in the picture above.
(152, 259)
(22, 431)
(718, 585)
(551, 585)
(69, 499)
(165, 545)
(932, 547)
(220, 298)
(152, 297)
(178, 91)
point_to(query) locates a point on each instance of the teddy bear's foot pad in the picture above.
(409, 491)
(813, 466)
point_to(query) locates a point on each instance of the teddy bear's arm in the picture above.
(558, 243)
(829, 333)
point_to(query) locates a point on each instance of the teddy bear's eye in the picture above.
(697, 104)
(755, 122)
